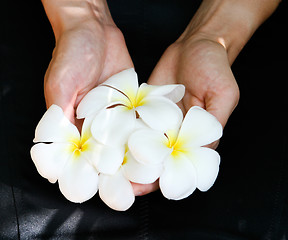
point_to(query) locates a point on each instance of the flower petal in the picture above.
(140, 124)
(206, 162)
(97, 99)
(178, 179)
(116, 191)
(199, 128)
(174, 92)
(140, 173)
(113, 126)
(149, 146)
(79, 180)
(125, 81)
(106, 159)
(50, 159)
(160, 113)
(54, 126)
(86, 128)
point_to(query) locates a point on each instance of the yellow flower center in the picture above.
(136, 101)
(79, 145)
(176, 144)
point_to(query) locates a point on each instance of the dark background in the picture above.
(249, 198)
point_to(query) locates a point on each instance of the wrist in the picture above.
(231, 23)
(66, 15)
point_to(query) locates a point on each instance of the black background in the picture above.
(249, 198)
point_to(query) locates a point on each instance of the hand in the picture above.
(201, 58)
(202, 66)
(86, 54)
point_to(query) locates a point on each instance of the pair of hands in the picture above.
(82, 59)
(90, 50)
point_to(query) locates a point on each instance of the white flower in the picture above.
(62, 154)
(116, 190)
(116, 104)
(187, 164)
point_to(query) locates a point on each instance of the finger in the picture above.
(165, 70)
(213, 145)
(143, 189)
(222, 104)
(57, 93)
(76, 66)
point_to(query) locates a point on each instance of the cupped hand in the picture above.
(202, 66)
(84, 56)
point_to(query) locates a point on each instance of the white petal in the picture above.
(160, 113)
(116, 191)
(178, 179)
(79, 180)
(106, 159)
(125, 81)
(97, 99)
(140, 125)
(54, 126)
(50, 159)
(199, 128)
(86, 128)
(140, 173)
(113, 126)
(149, 146)
(174, 92)
(206, 162)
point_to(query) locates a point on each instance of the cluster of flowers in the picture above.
(129, 134)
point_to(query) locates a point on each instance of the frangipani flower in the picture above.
(116, 190)
(62, 154)
(117, 103)
(187, 164)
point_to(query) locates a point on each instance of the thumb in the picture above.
(66, 102)
(57, 91)
(222, 104)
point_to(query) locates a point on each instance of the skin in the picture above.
(200, 59)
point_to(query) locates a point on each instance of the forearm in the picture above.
(64, 15)
(230, 22)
